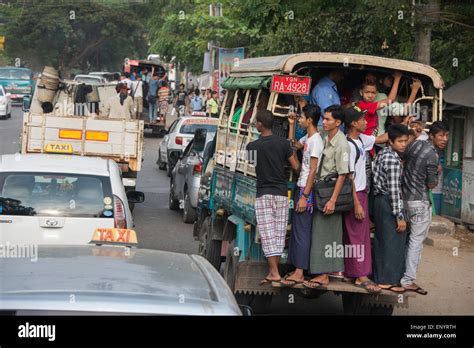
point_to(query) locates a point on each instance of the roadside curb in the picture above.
(443, 242)
(442, 226)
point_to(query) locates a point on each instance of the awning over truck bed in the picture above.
(247, 82)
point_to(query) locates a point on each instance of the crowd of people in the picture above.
(153, 92)
(363, 165)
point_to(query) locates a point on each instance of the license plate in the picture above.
(58, 148)
(291, 84)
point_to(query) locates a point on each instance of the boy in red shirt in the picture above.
(368, 93)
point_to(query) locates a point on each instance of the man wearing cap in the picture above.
(121, 105)
(356, 221)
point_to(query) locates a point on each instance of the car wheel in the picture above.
(161, 165)
(9, 115)
(173, 203)
(189, 213)
(208, 248)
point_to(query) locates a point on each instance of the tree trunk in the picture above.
(423, 45)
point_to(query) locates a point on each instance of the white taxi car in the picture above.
(59, 199)
(112, 277)
(178, 136)
(5, 104)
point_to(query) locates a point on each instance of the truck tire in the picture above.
(208, 248)
(189, 213)
(172, 201)
(260, 304)
(352, 305)
(161, 164)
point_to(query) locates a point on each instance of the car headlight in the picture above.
(3, 102)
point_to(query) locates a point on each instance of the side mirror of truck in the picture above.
(200, 135)
(135, 197)
(26, 103)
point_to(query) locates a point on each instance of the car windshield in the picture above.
(55, 194)
(15, 74)
(88, 79)
(189, 128)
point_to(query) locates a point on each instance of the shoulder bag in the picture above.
(323, 190)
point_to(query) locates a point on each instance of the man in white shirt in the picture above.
(312, 145)
(357, 228)
(119, 106)
(137, 94)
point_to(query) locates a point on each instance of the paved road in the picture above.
(10, 132)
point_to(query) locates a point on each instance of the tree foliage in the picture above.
(271, 27)
(73, 35)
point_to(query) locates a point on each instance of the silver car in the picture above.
(186, 175)
(112, 280)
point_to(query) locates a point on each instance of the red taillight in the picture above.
(119, 214)
(178, 140)
(197, 169)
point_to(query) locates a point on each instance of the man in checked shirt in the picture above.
(390, 221)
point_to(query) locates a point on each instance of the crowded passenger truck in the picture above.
(71, 117)
(153, 92)
(277, 217)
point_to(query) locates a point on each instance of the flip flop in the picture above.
(391, 288)
(305, 284)
(269, 281)
(365, 285)
(418, 290)
(336, 275)
(293, 283)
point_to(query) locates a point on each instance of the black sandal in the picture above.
(365, 285)
(418, 290)
(305, 284)
(293, 282)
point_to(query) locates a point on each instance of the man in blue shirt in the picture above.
(325, 92)
(196, 101)
(152, 97)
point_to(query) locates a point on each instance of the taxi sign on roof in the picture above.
(210, 121)
(114, 236)
(58, 148)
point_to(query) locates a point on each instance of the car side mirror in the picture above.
(26, 103)
(135, 197)
(8, 95)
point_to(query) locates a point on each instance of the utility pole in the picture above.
(427, 14)
(215, 10)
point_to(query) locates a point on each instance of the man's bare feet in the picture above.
(296, 277)
(321, 279)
